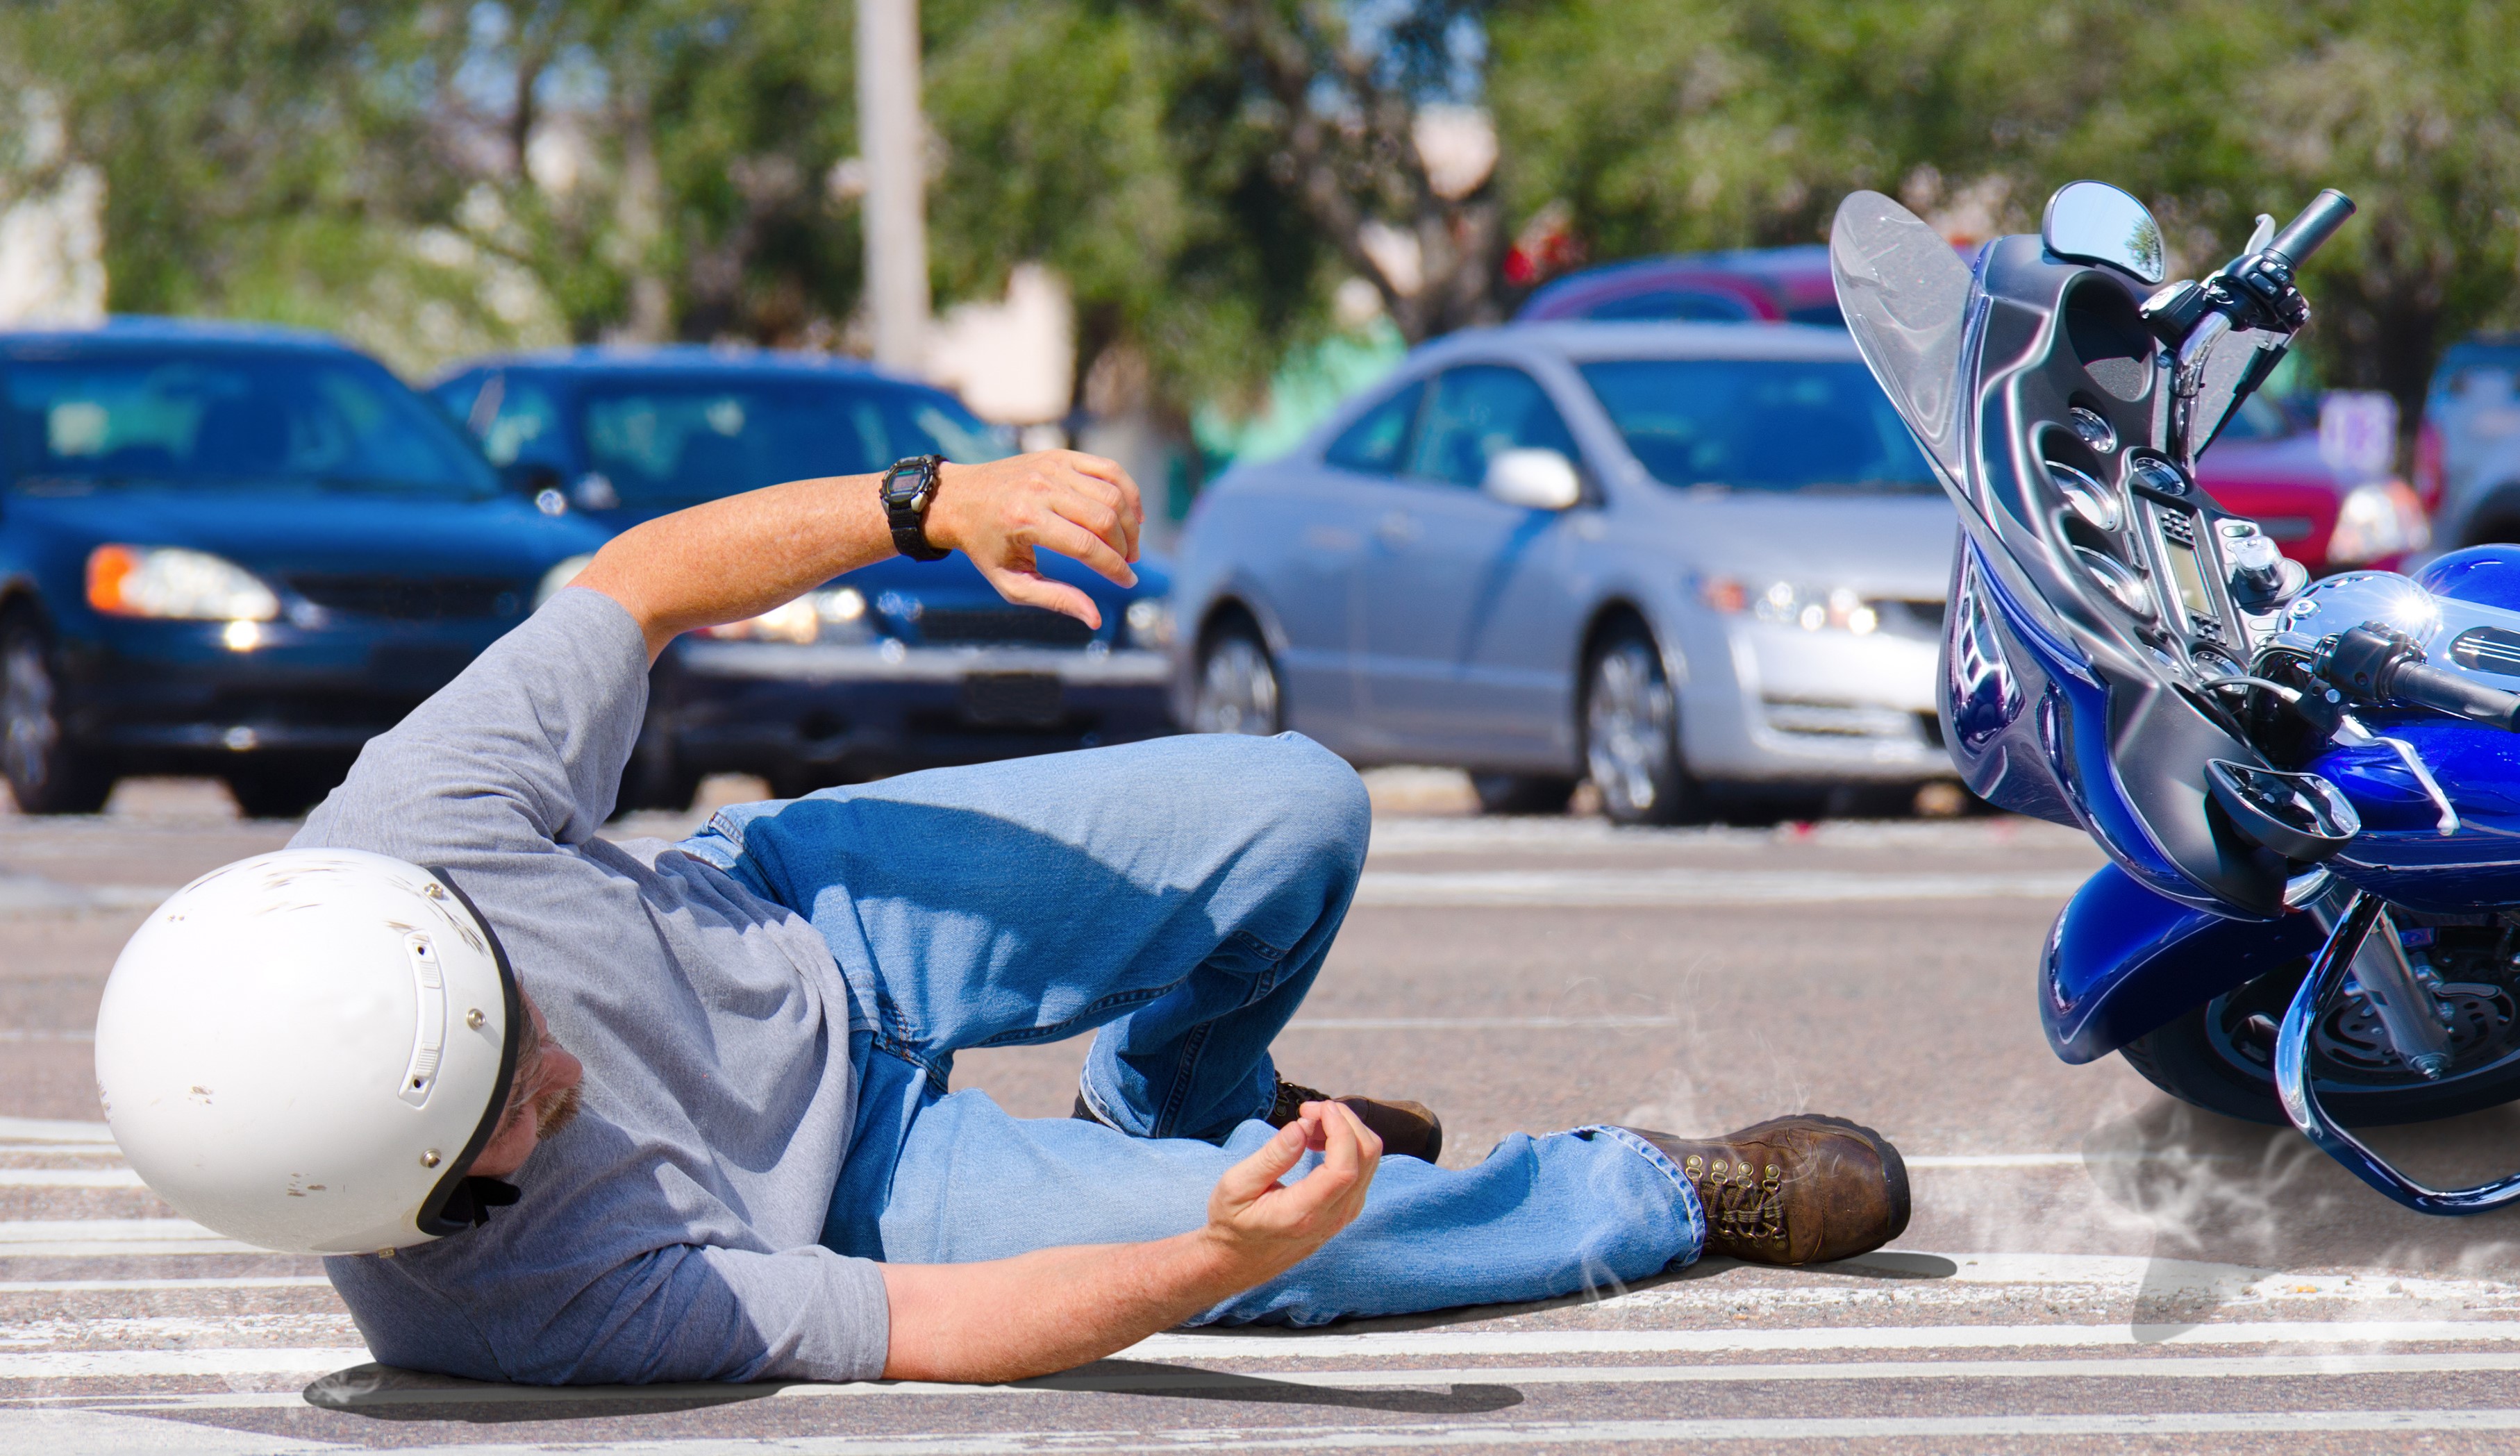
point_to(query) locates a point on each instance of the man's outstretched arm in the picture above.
(737, 557)
(1060, 1308)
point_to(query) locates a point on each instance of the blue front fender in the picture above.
(2122, 961)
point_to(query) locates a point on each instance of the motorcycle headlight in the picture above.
(1150, 621)
(2375, 522)
(560, 576)
(1791, 604)
(172, 582)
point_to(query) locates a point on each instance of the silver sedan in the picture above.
(1701, 564)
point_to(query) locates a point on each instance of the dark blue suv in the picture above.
(899, 665)
(240, 551)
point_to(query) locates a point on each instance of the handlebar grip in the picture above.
(2431, 688)
(2315, 224)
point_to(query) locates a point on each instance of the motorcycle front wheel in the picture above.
(2220, 1056)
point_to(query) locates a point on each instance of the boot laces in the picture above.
(1742, 1203)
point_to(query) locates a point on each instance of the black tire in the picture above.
(279, 790)
(2217, 1056)
(1522, 793)
(1239, 689)
(1631, 722)
(47, 772)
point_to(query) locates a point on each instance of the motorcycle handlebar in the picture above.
(2449, 692)
(2315, 224)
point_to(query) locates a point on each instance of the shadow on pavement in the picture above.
(383, 1392)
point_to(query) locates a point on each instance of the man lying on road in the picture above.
(678, 1112)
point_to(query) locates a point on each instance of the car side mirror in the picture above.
(1533, 479)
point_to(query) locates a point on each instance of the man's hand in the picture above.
(1060, 1308)
(740, 555)
(1264, 1228)
(1080, 506)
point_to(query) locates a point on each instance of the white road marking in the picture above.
(19, 1429)
(1611, 888)
(1437, 1344)
(99, 1433)
(69, 1177)
(136, 1286)
(1143, 1381)
(99, 1364)
(1429, 835)
(47, 1129)
(27, 1034)
(27, 894)
(1475, 1023)
(111, 1238)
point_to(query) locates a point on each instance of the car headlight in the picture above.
(1150, 621)
(837, 613)
(1811, 608)
(172, 582)
(2373, 521)
(560, 576)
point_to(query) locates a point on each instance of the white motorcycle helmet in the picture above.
(306, 1051)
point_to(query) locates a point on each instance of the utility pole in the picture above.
(893, 141)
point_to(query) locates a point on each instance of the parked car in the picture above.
(1751, 284)
(236, 551)
(899, 665)
(1702, 564)
(2472, 415)
(2268, 464)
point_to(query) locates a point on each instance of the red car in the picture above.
(2266, 466)
(1749, 285)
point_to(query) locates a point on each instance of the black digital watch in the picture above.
(907, 490)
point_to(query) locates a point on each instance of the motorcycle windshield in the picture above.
(1905, 293)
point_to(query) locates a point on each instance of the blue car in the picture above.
(899, 665)
(240, 551)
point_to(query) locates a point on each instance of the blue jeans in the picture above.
(1176, 898)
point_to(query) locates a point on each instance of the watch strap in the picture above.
(906, 512)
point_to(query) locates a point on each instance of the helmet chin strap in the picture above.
(472, 1198)
(461, 1200)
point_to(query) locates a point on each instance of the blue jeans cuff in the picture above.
(1694, 1210)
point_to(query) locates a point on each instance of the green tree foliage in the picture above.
(1704, 124)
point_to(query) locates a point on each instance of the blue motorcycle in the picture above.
(2310, 794)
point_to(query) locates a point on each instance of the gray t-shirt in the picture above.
(669, 1233)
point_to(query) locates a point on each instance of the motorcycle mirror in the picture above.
(1905, 295)
(2093, 222)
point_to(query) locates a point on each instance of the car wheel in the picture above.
(1522, 793)
(1237, 686)
(47, 772)
(279, 790)
(1632, 736)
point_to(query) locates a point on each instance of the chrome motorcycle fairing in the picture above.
(2122, 960)
(2107, 662)
(2052, 374)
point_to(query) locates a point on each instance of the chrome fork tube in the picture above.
(2387, 983)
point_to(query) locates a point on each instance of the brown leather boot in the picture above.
(1794, 1191)
(1408, 1130)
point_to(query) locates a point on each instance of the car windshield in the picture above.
(673, 444)
(234, 418)
(1763, 424)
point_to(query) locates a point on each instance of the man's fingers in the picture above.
(1244, 1182)
(1078, 544)
(1126, 497)
(1030, 588)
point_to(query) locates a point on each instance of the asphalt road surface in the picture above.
(2091, 1267)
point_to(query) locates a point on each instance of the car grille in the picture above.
(412, 598)
(1028, 626)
